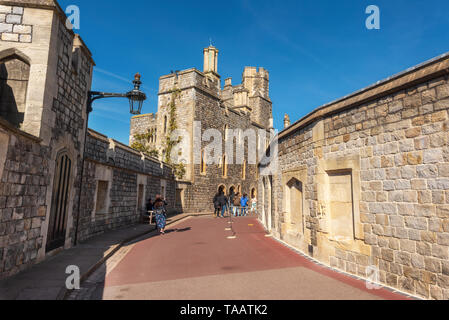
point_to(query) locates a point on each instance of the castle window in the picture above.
(244, 170)
(224, 167)
(165, 124)
(226, 128)
(14, 76)
(203, 162)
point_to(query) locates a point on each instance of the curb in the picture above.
(64, 293)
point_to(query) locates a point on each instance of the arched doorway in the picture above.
(232, 190)
(222, 188)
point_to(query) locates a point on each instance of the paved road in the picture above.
(197, 261)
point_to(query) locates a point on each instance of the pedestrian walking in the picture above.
(164, 207)
(161, 221)
(236, 204)
(244, 205)
(254, 205)
(217, 206)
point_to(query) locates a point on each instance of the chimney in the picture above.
(287, 122)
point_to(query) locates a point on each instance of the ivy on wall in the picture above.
(142, 144)
(180, 170)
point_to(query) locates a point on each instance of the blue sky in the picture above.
(316, 51)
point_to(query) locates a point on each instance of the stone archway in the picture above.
(14, 78)
(222, 188)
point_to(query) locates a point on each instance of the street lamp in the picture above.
(136, 99)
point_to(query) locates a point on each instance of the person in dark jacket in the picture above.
(217, 206)
(149, 205)
(222, 200)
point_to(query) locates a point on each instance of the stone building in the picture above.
(194, 102)
(45, 76)
(363, 182)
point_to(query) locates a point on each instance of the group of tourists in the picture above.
(160, 211)
(236, 204)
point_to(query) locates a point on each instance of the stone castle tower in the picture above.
(202, 104)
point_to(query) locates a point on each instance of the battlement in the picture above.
(252, 72)
(188, 79)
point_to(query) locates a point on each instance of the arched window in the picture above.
(244, 170)
(226, 128)
(14, 76)
(224, 167)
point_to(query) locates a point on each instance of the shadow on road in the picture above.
(92, 288)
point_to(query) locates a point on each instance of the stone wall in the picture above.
(213, 116)
(386, 150)
(141, 124)
(12, 27)
(60, 71)
(53, 128)
(124, 170)
(24, 176)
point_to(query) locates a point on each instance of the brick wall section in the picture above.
(73, 76)
(141, 124)
(402, 139)
(22, 201)
(126, 164)
(11, 27)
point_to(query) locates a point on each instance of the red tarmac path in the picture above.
(196, 261)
